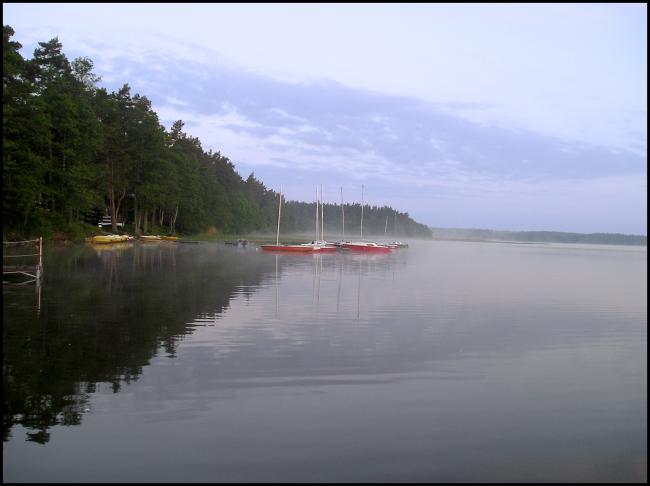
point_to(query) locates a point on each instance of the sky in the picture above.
(499, 116)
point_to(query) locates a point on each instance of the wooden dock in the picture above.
(33, 271)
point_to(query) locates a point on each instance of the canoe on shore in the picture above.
(105, 239)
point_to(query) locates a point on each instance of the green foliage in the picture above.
(71, 149)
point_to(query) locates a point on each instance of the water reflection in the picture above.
(399, 352)
(106, 311)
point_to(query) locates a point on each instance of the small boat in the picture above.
(392, 246)
(321, 245)
(104, 239)
(303, 248)
(150, 238)
(169, 238)
(399, 244)
(366, 246)
(239, 242)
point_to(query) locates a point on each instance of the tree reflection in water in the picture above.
(105, 313)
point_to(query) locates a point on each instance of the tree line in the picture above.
(72, 149)
(538, 236)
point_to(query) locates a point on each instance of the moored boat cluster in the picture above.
(324, 246)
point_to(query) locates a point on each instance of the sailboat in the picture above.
(282, 247)
(322, 244)
(396, 243)
(366, 246)
(339, 244)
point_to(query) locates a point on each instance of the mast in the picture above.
(342, 216)
(362, 211)
(316, 212)
(385, 226)
(322, 216)
(277, 235)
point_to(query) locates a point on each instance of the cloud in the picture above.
(406, 149)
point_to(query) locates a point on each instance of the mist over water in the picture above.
(444, 361)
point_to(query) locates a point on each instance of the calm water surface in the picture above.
(446, 361)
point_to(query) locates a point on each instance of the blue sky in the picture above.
(522, 117)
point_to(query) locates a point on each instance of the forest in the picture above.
(74, 152)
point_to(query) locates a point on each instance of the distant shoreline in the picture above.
(469, 234)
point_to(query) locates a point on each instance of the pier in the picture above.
(29, 264)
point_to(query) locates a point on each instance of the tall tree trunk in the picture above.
(162, 216)
(111, 197)
(119, 204)
(145, 221)
(172, 225)
(113, 209)
(115, 204)
(136, 216)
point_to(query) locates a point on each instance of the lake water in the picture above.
(444, 361)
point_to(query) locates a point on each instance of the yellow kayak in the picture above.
(169, 238)
(109, 238)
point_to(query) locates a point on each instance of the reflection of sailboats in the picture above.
(319, 266)
(318, 270)
(359, 292)
(277, 288)
(338, 294)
